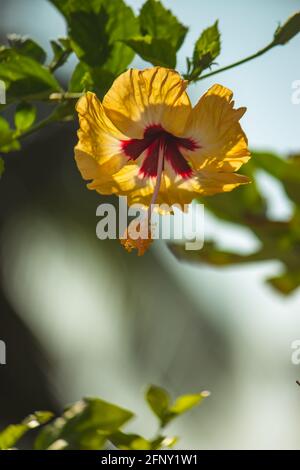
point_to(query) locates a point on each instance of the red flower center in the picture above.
(156, 139)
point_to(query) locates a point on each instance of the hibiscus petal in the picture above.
(214, 125)
(140, 98)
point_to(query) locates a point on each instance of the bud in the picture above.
(288, 30)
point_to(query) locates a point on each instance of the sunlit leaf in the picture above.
(8, 138)
(160, 23)
(159, 401)
(206, 50)
(124, 441)
(13, 433)
(25, 116)
(164, 442)
(187, 402)
(84, 425)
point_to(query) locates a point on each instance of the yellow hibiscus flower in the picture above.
(145, 141)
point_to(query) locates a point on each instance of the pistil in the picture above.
(142, 242)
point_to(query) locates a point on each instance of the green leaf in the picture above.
(27, 47)
(89, 38)
(61, 52)
(25, 116)
(163, 442)
(286, 283)
(159, 402)
(24, 76)
(287, 171)
(95, 29)
(81, 79)
(95, 79)
(211, 255)
(85, 425)
(13, 433)
(186, 402)
(122, 24)
(206, 50)
(155, 51)
(278, 167)
(288, 30)
(8, 142)
(124, 441)
(160, 23)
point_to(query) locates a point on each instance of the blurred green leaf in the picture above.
(24, 76)
(27, 47)
(240, 205)
(159, 23)
(153, 50)
(288, 30)
(163, 442)
(286, 283)
(186, 402)
(159, 402)
(13, 433)
(25, 116)
(211, 255)
(206, 50)
(279, 240)
(125, 441)
(278, 167)
(84, 425)
(287, 171)
(8, 141)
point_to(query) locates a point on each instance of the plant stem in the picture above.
(236, 64)
(65, 96)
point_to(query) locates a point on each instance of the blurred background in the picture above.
(82, 317)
